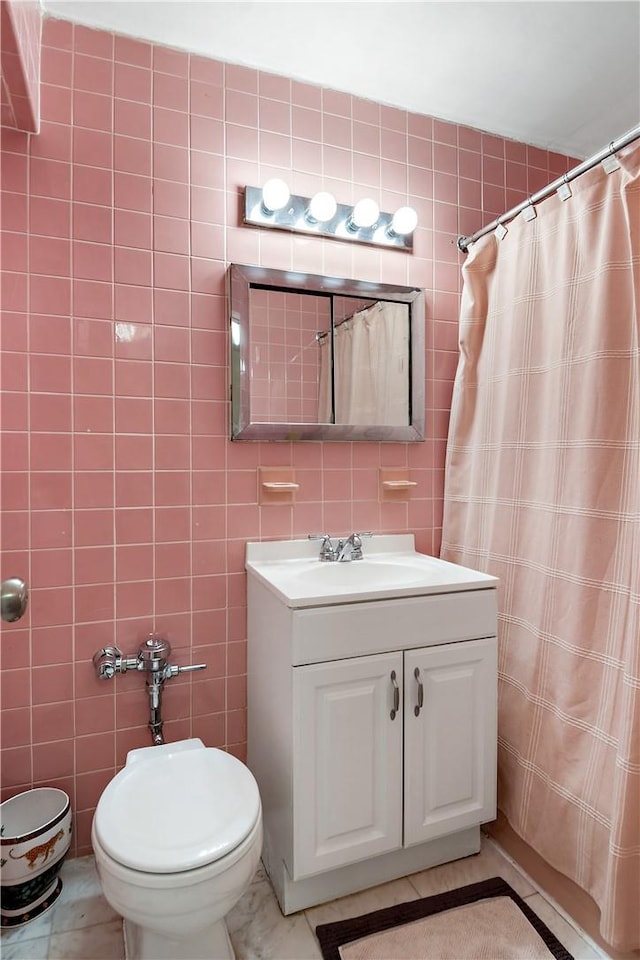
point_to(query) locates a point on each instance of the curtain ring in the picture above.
(565, 177)
(611, 150)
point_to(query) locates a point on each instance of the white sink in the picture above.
(371, 572)
(390, 568)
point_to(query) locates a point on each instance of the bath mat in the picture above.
(482, 921)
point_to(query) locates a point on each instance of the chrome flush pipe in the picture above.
(154, 654)
(155, 713)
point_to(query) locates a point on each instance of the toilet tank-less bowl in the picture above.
(177, 837)
(180, 904)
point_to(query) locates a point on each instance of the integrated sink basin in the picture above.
(370, 572)
(391, 567)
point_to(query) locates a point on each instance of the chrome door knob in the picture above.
(15, 597)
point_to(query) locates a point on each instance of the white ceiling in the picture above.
(561, 74)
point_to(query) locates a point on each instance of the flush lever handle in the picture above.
(174, 670)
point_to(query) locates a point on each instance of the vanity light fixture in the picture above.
(322, 207)
(364, 214)
(404, 221)
(275, 195)
(274, 206)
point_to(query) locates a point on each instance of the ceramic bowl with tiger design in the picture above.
(35, 834)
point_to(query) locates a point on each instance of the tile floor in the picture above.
(82, 926)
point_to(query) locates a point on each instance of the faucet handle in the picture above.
(327, 550)
(356, 539)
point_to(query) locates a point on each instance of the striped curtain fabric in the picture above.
(543, 491)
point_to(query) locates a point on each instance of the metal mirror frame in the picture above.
(241, 278)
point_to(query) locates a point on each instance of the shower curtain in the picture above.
(371, 368)
(543, 490)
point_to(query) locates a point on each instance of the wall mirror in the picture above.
(323, 358)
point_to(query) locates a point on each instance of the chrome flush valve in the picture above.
(152, 658)
(109, 660)
(153, 654)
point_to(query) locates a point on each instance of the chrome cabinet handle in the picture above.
(420, 703)
(396, 695)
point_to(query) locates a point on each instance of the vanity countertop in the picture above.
(390, 568)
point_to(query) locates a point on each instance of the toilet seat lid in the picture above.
(177, 809)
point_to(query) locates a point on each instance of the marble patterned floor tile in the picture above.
(103, 941)
(81, 902)
(79, 879)
(36, 948)
(259, 931)
(481, 866)
(375, 898)
(566, 934)
(81, 925)
(34, 930)
(85, 911)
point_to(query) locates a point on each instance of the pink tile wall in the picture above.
(124, 504)
(20, 61)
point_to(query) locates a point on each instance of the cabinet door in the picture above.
(450, 746)
(347, 780)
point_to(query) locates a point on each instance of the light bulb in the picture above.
(404, 221)
(322, 207)
(365, 213)
(275, 195)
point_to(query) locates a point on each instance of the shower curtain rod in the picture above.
(321, 334)
(614, 146)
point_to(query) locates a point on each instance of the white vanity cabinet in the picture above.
(347, 763)
(368, 779)
(450, 745)
(371, 728)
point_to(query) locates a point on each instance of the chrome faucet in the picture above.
(152, 657)
(344, 551)
(351, 549)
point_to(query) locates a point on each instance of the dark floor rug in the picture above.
(482, 921)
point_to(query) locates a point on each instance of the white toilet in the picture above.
(177, 836)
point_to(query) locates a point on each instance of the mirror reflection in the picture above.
(371, 380)
(320, 357)
(286, 355)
